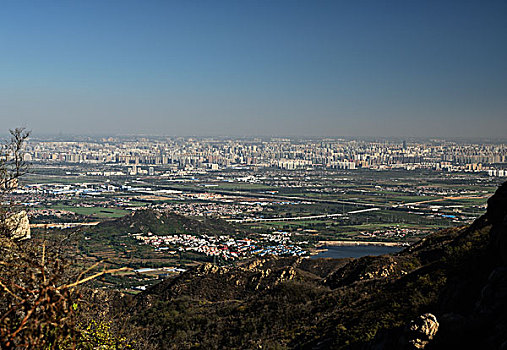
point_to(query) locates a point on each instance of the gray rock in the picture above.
(18, 225)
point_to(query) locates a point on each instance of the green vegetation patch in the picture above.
(99, 212)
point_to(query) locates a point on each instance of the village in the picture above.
(224, 246)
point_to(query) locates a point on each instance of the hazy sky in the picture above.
(244, 67)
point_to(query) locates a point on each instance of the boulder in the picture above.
(422, 330)
(18, 225)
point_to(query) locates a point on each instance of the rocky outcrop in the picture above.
(497, 205)
(208, 268)
(421, 331)
(363, 269)
(497, 216)
(17, 225)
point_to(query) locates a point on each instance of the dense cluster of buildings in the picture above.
(144, 156)
(226, 247)
(56, 189)
(395, 232)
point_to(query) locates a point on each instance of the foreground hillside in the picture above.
(458, 275)
(448, 291)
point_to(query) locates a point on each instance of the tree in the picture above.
(13, 221)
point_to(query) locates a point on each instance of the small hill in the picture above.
(113, 241)
(448, 291)
(163, 223)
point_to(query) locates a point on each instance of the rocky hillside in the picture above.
(447, 291)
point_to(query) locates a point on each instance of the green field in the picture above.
(239, 186)
(98, 212)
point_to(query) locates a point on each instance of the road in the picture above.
(294, 218)
(264, 195)
(439, 200)
(64, 224)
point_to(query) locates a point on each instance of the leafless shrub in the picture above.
(12, 167)
(39, 298)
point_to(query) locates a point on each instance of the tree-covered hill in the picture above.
(114, 240)
(162, 223)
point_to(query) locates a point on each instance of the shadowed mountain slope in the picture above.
(459, 275)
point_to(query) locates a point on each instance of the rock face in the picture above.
(18, 225)
(218, 283)
(497, 216)
(208, 268)
(421, 331)
(497, 205)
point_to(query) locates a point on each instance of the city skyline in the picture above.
(283, 153)
(330, 69)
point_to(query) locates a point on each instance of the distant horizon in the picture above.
(62, 136)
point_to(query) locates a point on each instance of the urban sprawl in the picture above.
(142, 156)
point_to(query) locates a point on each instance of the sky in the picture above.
(255, 68)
